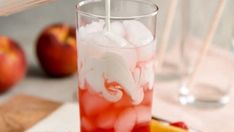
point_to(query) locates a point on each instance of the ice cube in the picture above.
(117, 28)
(130, 56)
(137, 75)
(95, 32)
(106, 119)
(104, 39)
(147, 52)
(91, 28)
(148, 98)
(137, 33)
(148, 75)
(143, 114)
(87, 124)
(92, 104)
(115, 39)
(126, 120)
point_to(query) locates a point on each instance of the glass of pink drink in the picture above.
(116, 68)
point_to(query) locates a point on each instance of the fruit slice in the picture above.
(157, 126)
(180, 125)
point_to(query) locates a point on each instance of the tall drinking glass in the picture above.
(211, 85)
(116, 67)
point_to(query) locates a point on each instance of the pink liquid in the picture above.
(99, 115)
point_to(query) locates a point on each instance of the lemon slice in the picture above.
(157, 126)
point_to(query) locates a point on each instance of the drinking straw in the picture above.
(167, 30)
(208, 39)
(13, 6)
(107, 6)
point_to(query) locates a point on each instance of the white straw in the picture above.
(208, 40)
(167, 30)
(108, 11)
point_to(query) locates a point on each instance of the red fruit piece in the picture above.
(13, 63)
(56, 50)
(180, 125)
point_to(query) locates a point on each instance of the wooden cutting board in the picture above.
(22, 112)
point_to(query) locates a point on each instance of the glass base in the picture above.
(187, 98)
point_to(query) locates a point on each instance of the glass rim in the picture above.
(85, 2)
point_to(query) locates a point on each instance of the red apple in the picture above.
(12, 63)
(56, 50)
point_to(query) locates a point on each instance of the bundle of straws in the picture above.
(8, 7)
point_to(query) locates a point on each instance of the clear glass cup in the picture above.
(169, 26)
(210, 87)
(116, 68)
